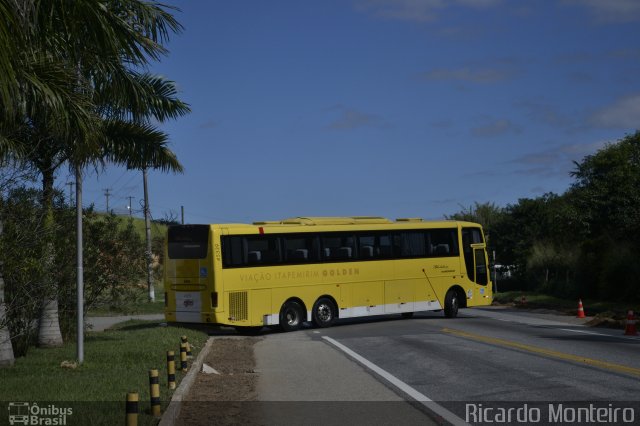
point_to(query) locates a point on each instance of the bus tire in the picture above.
(291, 316)
(324, 312)
(451, 304)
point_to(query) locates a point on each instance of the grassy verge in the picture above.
(611, 314)
(117, 361)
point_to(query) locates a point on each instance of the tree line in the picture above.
(582, 243)
(75, 92)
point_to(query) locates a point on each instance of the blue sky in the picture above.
(398, 108)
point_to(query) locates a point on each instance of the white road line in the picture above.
(423, 399)
(601, 334)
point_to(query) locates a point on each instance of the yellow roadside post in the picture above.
(154, 391)
(132, 409)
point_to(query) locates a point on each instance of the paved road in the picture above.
(102, 323)
(497, 358)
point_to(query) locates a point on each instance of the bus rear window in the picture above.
(188, 241)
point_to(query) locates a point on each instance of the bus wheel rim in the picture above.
(324, 312)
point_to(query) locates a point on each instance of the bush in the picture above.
(114, 263)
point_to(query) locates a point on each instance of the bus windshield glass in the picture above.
(188, 241)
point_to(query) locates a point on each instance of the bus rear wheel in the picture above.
(451, 304)
(291, 316)
(324, 312)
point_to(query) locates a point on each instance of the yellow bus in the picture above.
(320, 269)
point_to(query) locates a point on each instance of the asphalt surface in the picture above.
(432, 370)
(302, 380)
(441, 367)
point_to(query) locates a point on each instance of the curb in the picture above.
(173, 410)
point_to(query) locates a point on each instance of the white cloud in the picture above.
(611, 10)
(544, 113)
(415, 10)
(468, 74)
(352, 119)
(624, 113)
(556, 161)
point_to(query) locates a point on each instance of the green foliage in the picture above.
(585, 242)
(22, 248)
(114, 262)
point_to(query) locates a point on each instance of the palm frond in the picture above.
(140, 97)
(138, 146)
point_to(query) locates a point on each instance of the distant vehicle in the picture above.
(320, 269)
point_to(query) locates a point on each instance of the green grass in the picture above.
(138, 308)
(157, 229)
(117, 361)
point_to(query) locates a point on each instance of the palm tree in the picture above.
(6, 350)
(30, 76)
(96, 48)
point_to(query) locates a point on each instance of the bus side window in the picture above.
(411, 244)
(338, 247)
(232, 251)
(385, 246)
(366, 246)
(442, 242)
(299, 248)
(262, 250)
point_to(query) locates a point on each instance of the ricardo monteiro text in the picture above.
(553, 413)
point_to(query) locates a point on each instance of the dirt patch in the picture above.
(222, 399)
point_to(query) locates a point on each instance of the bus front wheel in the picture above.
(451, 304)
(291, 316)
(324, 313)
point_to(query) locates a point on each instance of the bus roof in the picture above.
(306, 224)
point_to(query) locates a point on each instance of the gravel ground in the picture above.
(225, 398)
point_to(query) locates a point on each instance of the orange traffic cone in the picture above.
(630, 329)
(580, 309)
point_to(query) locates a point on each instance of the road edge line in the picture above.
(405, 388)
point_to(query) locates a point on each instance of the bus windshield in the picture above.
(188, 241)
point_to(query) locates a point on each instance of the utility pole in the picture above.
(130, 206)
(70, 184)
(182, 210)
(107, 193)
(79, 267)
(495, 273)
(147, 224)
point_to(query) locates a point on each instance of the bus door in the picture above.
(475, 258)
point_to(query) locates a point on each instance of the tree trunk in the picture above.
(49, 335)
(6, 350)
